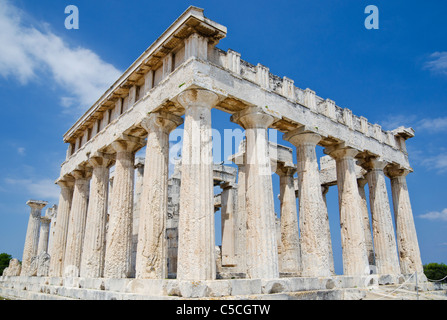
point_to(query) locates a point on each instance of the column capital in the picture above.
(341, 152)
(81, 174)
(36, 204)
(127, 143)
(65, 182)
(197, 98)
(228, 185)
(286, 169)
(372, 164)
(161, 120)
(361, 182)
(394, 171)
(302, 136)
(253, 117)
(45, 220)
(100, 159)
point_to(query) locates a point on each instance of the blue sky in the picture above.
(396, 75)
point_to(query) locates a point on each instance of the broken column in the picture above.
(32, 235)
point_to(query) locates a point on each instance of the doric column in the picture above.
(196, 239)
(262, 249)
(44, 235)
(241, 215)
(60, 234)
(355, 259)
(92, 262)
(290, 258)
(386, 260)
(32, 235)
(151, 260)
(316, 250)
(117, 262)
(365, 219)
(407, 241)
(76, 225)
(228, 224)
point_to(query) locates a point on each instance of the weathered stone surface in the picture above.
(152, 246)
(386, 259)
(76, 225)
(92, 262)
(32, 235)
(196, 260)
(316, 248)
(262, 250)
(117, 262)
(14, 268)
(355, 259)
(60, 234)
(408, 247)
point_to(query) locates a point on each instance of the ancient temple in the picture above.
(144, 227)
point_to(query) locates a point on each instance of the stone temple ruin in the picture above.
(141, 234)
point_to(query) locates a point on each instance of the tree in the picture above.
(4, 261)
(436, 271)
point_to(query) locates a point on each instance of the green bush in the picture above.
(435, 271)
(4, 261)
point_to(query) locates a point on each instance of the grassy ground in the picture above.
(1, 298)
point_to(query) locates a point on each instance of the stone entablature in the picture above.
(141, 90)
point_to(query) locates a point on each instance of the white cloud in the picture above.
(437, 162)
(435, 215)
(21, 151)
(44, 189)
(438, 63)
(27, 52)
(392, 122)
(432, 125)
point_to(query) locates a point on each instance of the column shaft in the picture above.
(92, 264)
(407, 242)
(262, 247)
(44, 235)
(386, 259)
(151, 260)
(60, 234)
(76, 226)
(228, 224)
(366, 222)
(117, 262)
(355, 259)
(290, 259)
(241, 221)
(32, 235)
(316, 248)
(196, 238)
